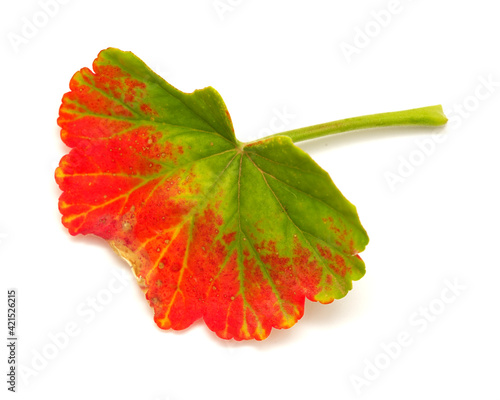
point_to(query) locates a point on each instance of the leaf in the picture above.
(238, 234)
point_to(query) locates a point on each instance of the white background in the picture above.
(438, 223)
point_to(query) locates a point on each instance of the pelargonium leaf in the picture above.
(239, 234)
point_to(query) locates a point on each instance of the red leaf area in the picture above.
(125, 181)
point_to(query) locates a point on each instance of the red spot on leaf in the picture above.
(229, 237)
(146, 109)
